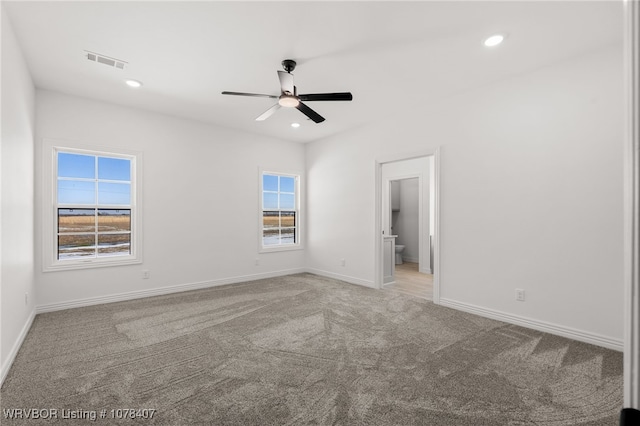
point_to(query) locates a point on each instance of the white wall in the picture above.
(531, 194)
(408, 220)
(17, 208)
(200, 199)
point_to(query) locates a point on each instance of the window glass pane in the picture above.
(85, 180)
(114, 245)
(287, 201)
(114, 168)
(76, 165)
(288, 219)
(288, 236)
(269, 183)
(270, 219)
(269, 200)
(114, 220)
(270, 237)
(76, 192)
(114, 193)
(76, 220)
(75, 246)
(287, 184)
(279, 222)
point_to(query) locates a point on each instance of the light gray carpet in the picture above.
(303, 349)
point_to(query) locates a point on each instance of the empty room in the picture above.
(199, 224)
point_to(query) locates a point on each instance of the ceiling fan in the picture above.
(289, 97)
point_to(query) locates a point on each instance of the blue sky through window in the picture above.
(114, 169)
(287, 184)
(76, 165)
(269, 183)
(287, 201)
(114, 193)
(76, 192)
(73, 169)
(270, 201)
(278, 192)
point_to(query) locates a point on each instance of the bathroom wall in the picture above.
(407, 220)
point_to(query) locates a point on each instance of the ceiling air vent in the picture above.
(112, 62)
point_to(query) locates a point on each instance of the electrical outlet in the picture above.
(342, 262)
(26, 298)
(146, 274)
(519, 295)
(257, 262)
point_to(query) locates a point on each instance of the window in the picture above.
(94, 213)
(280, 225)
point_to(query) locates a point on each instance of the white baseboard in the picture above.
(560, 330)
(4, 370)
(120, 297)
(347, 278)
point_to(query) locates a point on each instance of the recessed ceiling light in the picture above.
(133, 83)
(295, 125)
(494, 40)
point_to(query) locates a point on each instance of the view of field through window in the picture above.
(93, 206)
(279, 222)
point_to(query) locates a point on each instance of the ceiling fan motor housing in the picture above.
(289, 65)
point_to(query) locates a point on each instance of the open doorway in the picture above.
(407, 225)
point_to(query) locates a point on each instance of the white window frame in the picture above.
(298, 245)
(50, 261)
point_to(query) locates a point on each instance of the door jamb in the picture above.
(632, 208)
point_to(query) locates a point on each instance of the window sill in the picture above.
(89, 264)
(280, 248)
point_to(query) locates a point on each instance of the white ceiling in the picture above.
(390, 55)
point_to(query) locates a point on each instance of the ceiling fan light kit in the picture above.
(289, 97)
(288, 101)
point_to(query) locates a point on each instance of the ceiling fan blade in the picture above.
(255, 95)
(268, 113)
(341, 96)
(286, 81)
(310, 113)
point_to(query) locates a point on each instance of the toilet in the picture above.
(399, 250)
